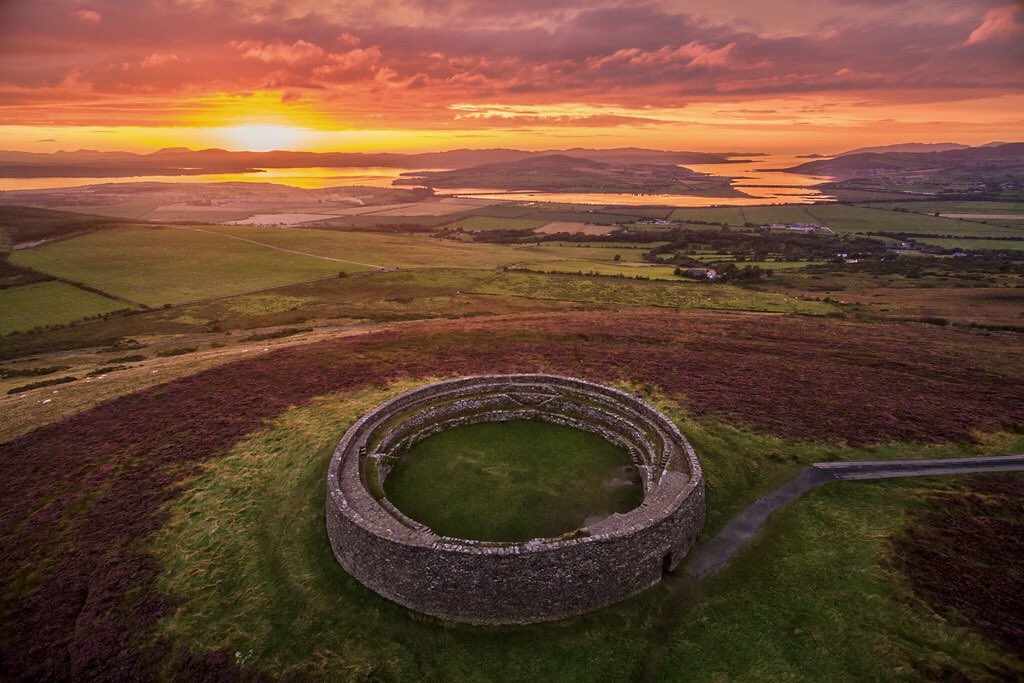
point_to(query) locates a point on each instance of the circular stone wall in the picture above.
(492, 582)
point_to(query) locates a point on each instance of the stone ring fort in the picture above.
(491, 582)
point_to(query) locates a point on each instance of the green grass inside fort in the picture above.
(512, 481)
(248, 567)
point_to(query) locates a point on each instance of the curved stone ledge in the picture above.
(497, 583)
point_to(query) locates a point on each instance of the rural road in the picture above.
(744, 528)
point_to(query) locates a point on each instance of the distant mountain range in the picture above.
(985, 160)
(183, 161)
(913, 147)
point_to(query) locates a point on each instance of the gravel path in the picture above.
(744, 528)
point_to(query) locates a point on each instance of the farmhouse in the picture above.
(702, 273)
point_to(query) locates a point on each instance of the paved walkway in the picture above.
(744, 528)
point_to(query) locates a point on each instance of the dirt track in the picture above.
(744, 528)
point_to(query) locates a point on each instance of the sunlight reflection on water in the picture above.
(751, 176)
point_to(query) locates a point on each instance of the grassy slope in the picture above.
(642, 293)
(247, 561)
(816, 599)
(608, 268)
(511, 481)
(49, 303)
(393, 251)
(165, 265)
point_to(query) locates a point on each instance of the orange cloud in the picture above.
(277, 51)
(998, 23)
(159, 59)
(88, 15)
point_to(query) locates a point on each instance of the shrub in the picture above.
(105, 370)
(31, 372)
(41, 384)
(176, 352)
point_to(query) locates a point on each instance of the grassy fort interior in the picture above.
(512, 481)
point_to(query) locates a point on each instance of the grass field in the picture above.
(966, 243)
(844, 218)
(955, 207)
(484, 223)
(556, 227)
(429, 209)
(766, 215)
(512, 481)
(643, 293)
(393, 251)
(728, 215)
(854, 219)
(627, 269)
(49, 303)
(594, 217)
(155, 266)
(246, 562)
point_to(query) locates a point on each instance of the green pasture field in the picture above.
(381, 297)
(246, 564)
(193, 216)
(393, 251)
(373, 220)
(627, 269)
(729, 215)
(624, 291)
(966, 243)
(26, 307)
(595, 217)
(954, 207)
(132, 210)
(483, 223)
(376, 298)
(155, 265)
(626, 251)
(497, 210)
(858, 219)
(786, 213)
(427, 209)
(512, 481)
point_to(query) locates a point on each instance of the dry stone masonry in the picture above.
(499, 583)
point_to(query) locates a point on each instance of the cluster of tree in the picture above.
(529, 236)
(919, 266)
(733, 273)
(757, 246)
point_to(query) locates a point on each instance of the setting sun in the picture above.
(263, 138)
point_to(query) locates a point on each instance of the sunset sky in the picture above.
(785, 75)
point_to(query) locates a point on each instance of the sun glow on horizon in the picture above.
(264, 137)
